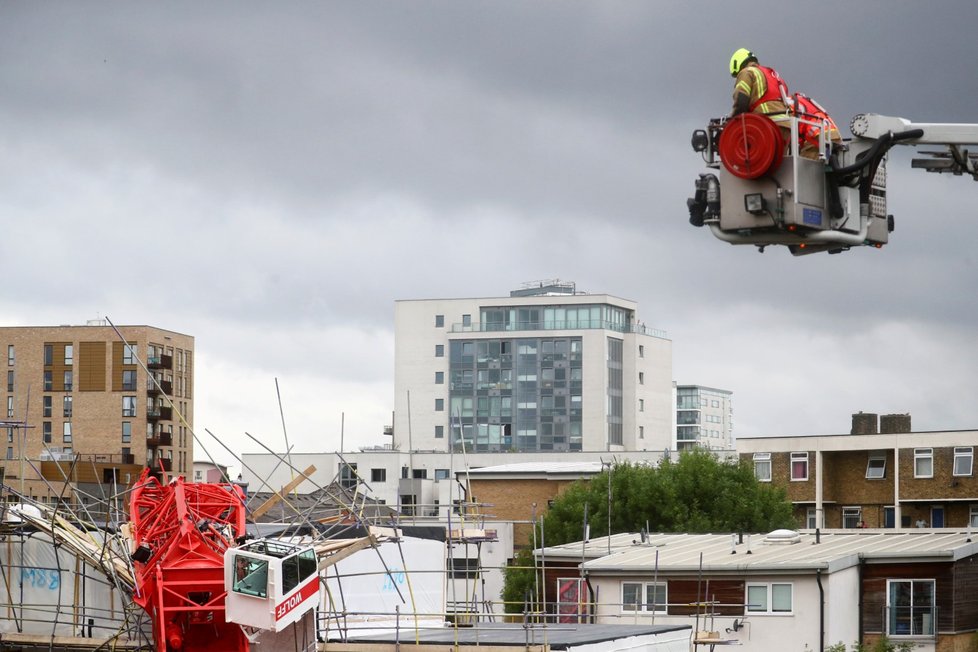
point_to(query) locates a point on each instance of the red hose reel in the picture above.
(751, 145)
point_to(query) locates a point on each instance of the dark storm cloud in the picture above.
(239, 169)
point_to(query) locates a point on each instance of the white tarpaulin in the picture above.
(49, 591)
(360, 585)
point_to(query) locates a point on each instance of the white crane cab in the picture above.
(270, 584)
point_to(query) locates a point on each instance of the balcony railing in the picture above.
(159, 413)
(160, 362)
(165, 385)
(580, 324)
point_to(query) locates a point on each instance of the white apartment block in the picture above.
(544, 369)
(704, 418)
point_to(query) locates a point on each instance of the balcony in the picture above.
(159, 414)
(153, 390)
(160, 362)
(165, 463)
(90, 468)
(159, 439)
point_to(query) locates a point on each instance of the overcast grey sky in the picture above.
(271, 177)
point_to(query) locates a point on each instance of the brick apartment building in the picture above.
(85, 408)
(881, 475)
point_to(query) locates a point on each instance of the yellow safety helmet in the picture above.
(739, 58)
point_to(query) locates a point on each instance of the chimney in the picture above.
(864, 423)
(893, 423)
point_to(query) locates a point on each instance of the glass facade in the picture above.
(570, 317)
(520, 394)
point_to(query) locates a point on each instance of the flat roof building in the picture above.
(546, 369)
(88, 408)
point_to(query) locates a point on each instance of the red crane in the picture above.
(180, 533)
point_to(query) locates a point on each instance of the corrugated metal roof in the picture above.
(723, 553)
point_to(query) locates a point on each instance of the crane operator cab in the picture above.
(764, 191)
(270, 584)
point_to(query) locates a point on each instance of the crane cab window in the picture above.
(296, 569)
(250, 576)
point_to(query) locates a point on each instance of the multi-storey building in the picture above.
(545, 369)
(704, 418)
(885, 476)
(87, 408)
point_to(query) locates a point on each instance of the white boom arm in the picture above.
(955, 160)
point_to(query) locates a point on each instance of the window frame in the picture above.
(882, 467)
(762, 459)
(959, 453)
(795, 457)
(919, 455)
(973, 515)
(642, 606)
(768, 609)
(850, 511)
(932, 607)
(378, 475)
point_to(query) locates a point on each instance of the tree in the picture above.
(697, 493)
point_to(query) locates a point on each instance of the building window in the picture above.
(811, 518)
(641, 405)
(439, 405)
(964, 459)
(128, 406)
(48, 355)
(378, 475)
(464, 567)
(769, 598)
(66, 432)
(442, 474)
(10, 380)
(348, 475)
(48, 381)
(762, 467)
(10, 354)
(647, 597)
(129, 354)
(439, 432)
(46, 405)
(439, 377)
(69, 354)
(66, 407)
(852, 517)
(641, 350)
(641, 432)
(126, 432)
(641, 378)
(46, 431)
(129, 380)
(876, 467)
(439, 350)
(439, 321)
(923, 462)
(910, 607)
(69, 380)
(466, 321)
(799, 466)
(10, 452)
(973, 516)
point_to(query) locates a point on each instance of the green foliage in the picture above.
(518, 585)
(696, 493)
(882, 644)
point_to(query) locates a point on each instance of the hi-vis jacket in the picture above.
(763, 88)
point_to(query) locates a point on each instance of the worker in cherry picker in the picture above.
(759, 89)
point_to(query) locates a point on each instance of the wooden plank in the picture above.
(271, 502)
